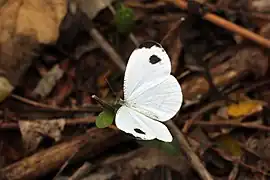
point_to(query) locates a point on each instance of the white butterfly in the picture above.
(151, 94)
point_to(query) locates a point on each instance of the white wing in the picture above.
(135, 123)
(145, 65)
(148, 86)
(158, 100)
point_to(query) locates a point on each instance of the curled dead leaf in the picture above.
(244, 108)
(49, 80)
(251, 58)
(260, 5)
(5, 88)
(92, 8)
(16, 55)
(34, 131)
(28, 17)
(265, 31)
(24, 24)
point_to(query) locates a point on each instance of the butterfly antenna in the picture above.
(114, 93)
(103, 103)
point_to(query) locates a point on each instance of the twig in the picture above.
(204, 109)
(82, 171)
(66, 163)
(193, 158)
(137, 161)
(173, 28)
(103, 103)
(92, 108)
(69, 122)
(45, 161)
(222, 123)
(107, 48)
(227, 25)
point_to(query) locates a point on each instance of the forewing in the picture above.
(160, 100)
(141, 126)
(147, 63)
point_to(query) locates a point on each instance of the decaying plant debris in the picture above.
(54, 55)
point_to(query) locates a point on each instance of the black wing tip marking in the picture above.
(149, 44)
(154, 59)
(139, 131)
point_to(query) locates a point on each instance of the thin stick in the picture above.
(197, 114)
(229, 123)
(227, 25)
(82, 171)
(46, 106)
(193, 158)
(103, 103)
(69, 122)
(116, 58)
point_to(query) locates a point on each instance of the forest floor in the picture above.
(55, 55)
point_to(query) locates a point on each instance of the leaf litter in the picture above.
(54, 55)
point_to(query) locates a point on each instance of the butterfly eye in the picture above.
(139, 131)
(154, 59)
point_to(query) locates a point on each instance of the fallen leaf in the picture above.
(32, 17)
(244, 108)
(16, 56)
(48, 81)
(251, 58)
(92, 8)
(5, 88)
(34, 131)
(215, 164)
(229, 144)
(263, 147)
(260, 5)
(265, 31)
(24, 25)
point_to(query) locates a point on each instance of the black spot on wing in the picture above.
(139, 131)
(149, 44)
(154, 59)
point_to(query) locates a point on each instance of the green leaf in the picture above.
(105, 119)
(124, 19)
(172, 148)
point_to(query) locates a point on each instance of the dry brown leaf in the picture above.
(5, 88)
(259, 5)
(251, 58)
(32, 17)
(263, 147)
(93, 7)
(49, 80)
(136, 161)
(34, 131)
(16, 56)
(24, 24)
(265, 31)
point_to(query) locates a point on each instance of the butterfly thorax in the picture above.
(121, 102)
(140, 110)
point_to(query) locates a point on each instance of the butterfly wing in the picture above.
(161, 101)
(147, 63)
(141, 126)
(148, 86)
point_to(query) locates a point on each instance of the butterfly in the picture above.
(151, 94)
